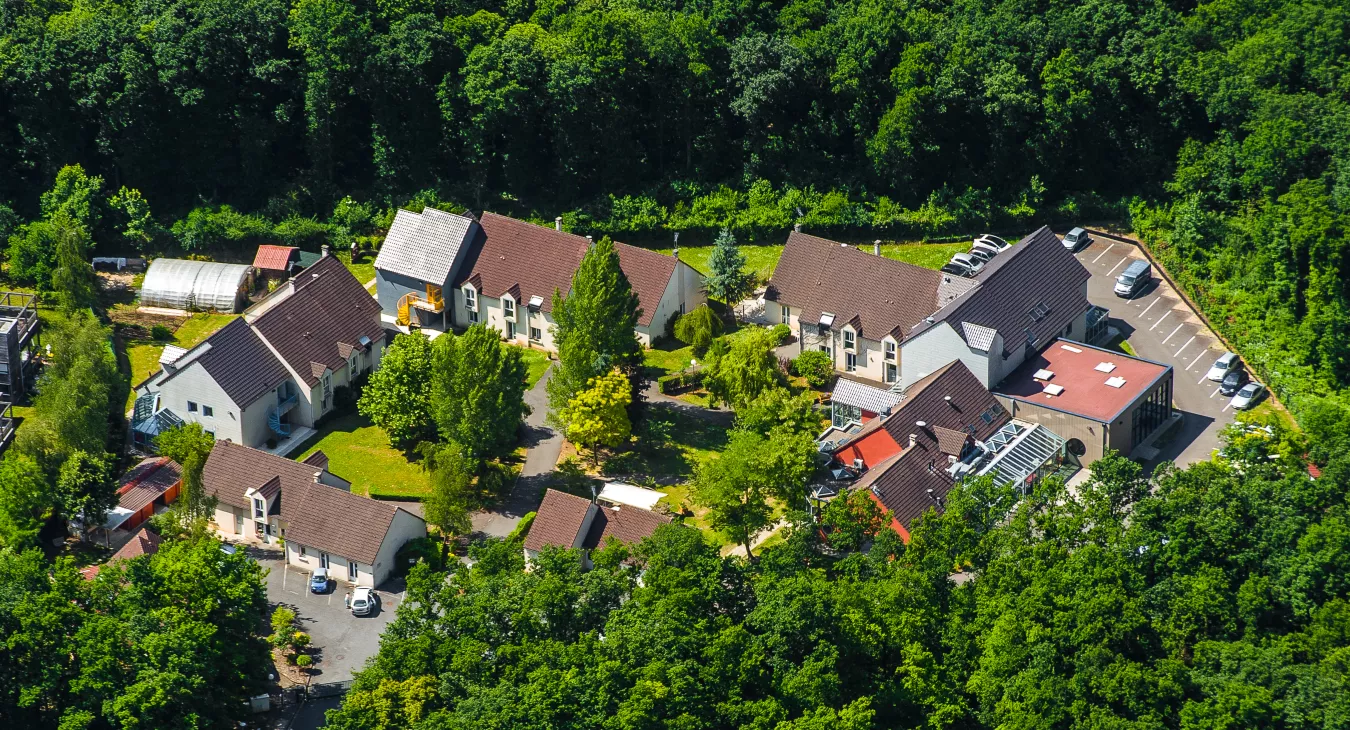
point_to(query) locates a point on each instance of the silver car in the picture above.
(1076, 239)
(970, 262)
(1226, 363)
(998, 244)
(1248, 396)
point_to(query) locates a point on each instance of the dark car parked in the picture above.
(1233, 382)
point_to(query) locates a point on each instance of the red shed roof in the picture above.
(273, 258)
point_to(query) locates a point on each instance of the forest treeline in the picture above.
(1220, 131)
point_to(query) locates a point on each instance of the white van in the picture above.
(1133, 280)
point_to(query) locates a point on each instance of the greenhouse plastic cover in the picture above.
(183, 284)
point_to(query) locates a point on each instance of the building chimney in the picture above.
(590, 242)
(557, 223)
(797, 227)
(323, 251)
(876, 247)
(913, 439)
(676, 251)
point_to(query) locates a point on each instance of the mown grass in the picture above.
(762, 259)
(363, 269)
(670, 444)
(537, 363)
(360, 452)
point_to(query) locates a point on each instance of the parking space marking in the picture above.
(1196, 360)
(1225, 408)
(1117, 266)
(1216, 392)
(1202, 377)
(1103, 253)
(1150, 306)
(1165, 339)
(1183, 347)
(1160, 320)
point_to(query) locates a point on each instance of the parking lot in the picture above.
(1160, 326)
(341, 642)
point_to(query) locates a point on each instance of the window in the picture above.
(536, 334)
(1038, 312)
(849, 340)
(510, 330)
(1068, 330)
(787, 314)
(259, 508)
(192, 406)
(212, 434)
(850, 361)
(473, 316)
(302, 551)
(352, 571)
(824, 348)
(208, 411)
(508, 309)
(891, 374)
(889, 348)
(323, 559)
(351, 368)
(470, 299)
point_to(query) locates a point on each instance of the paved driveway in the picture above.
(342, 642)
(543, 445)
(1161, 327)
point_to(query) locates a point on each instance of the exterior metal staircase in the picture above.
(433, 301)
(274, 416)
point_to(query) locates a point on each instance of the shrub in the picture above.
(781, 332)
(522, 528)
(300, 640)
(680, 382)
(815, 366)
(160, 333)
(304, 660)
(699, 328)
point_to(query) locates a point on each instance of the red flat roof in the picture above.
(1085, 390)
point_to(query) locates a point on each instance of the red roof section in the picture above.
(144, 542)
(144, 483)
(1085, 390)
(273, 258)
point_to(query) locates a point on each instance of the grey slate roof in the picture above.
(867, 397)
(1028, 293)
(424, 245)
(978, 336)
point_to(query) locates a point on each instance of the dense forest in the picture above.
(1218, 131)
(1217, 601)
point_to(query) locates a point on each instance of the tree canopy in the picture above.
(1215, 599)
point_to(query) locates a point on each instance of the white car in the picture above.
(363, 601)
(1248, 396)
(998, 244)
(1076, 239)
(1227, 363)
(970, 262)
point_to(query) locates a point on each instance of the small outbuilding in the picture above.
(201, 285)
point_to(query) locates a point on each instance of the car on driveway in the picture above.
(970, 262)
(363, 601)
(318, 583)
(1233, 381)
(1076, 239)
(998, 244)
(1248, 396)
(1227, 362)
(951, 267)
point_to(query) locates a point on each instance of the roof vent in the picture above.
(1116, 382)
(921, 424)
(1043, 374)
(1105, 367)
(1070, 348)
(947, 398)
(364, 341)
(1053, 389)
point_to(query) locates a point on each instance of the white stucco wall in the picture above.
(404, 527)
(938, 346)
(684, 288)
(194, 384)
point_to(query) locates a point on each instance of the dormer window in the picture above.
(259, 508)
(888, 347)
(849, 340)
(470, 299)
(509, 309)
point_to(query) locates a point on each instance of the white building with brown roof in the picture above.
(262, 498)
(567, 521)
(271, 374)
(446, 271)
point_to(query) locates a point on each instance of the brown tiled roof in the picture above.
(1036, 288)
(628, 525)
(529, 260)
(147, 481)
(317, 515)
(557, 521)
(144, 542)
(327, 308)
(273, 258)
(878, 295)
(318, 458)
(926, 401)
(901, 481)
(236, 358)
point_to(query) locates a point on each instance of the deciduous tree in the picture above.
(398, 396)
(597, 417)
(478, 391)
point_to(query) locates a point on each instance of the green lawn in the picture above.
(666, 361)
(670, 444)
(360, 453)
(763, 259)
(363, 269)
(537, 361)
